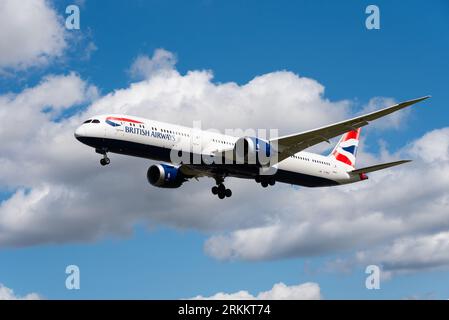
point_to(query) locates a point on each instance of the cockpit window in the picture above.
(87, 121)
(95, 121)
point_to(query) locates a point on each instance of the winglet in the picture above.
(410, 102)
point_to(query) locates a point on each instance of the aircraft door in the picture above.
(195, 139)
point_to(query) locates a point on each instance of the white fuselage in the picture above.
(156, 140)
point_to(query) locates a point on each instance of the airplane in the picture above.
(239, 157)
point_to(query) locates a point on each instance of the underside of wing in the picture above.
(191, 171)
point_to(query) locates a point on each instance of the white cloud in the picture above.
(432, 147)
(89, 50)
(31, 34)
(408, 200)
(58, 181)
(395, 120)
(274, 100)
(410, 254)
(8, 294)
(34, 108)
(145, 66)
(280, 291)
(403, 202)
(61, 194)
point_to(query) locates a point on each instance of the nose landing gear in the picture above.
(105, 160)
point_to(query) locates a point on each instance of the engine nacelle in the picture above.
(165, 176)
(251, 150)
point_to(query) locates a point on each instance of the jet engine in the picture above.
(165, 176)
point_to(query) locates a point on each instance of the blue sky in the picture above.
(323, 40)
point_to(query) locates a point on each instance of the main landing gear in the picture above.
(265, 181)
(105, 160)
(221, 190)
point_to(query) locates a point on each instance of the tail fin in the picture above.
(346, 149)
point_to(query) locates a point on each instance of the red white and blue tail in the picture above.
(346, 149)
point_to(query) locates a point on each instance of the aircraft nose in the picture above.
(79, 132)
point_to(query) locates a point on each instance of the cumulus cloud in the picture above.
(280, 291)
(275, 100)
(145, 66)
(432, 147)
(408, 200)
(37, 106)
(31, 34)
(395, 120)
(403, 255)
(61, 194)
(409, 254)
(8, 294)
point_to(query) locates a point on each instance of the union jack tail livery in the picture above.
(346, 149)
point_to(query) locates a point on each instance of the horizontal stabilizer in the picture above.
(378, 167)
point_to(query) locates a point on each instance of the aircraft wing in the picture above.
(193, 172)
(291, 144)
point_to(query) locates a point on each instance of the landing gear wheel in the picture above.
(221, 188)
(271, 182)
(105, 161)
(221, 191)
(264, 184)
